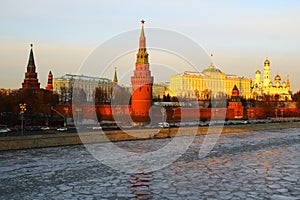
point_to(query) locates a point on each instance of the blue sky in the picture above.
(239, 33)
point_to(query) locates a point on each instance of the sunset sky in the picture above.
(239, 33)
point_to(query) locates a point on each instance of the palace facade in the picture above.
(211, 82)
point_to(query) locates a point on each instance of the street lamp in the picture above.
(163, 113)
(22, 111)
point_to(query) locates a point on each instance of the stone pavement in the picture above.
(254, 165)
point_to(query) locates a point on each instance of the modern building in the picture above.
(141, 81)
(260, 87)
(64, 87)
(211, 82)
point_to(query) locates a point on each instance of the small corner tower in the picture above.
(235, 105)
(50, 82)
(31, 81)
(141, 81)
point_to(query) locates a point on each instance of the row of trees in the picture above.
(37, 101)
(38, 105)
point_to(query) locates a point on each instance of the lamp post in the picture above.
(163, 113)
(22, 111)
(173, 116)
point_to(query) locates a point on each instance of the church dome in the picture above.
(284, 84)
(257, 72)
(277, 78)
(270, 83)
(267, 62)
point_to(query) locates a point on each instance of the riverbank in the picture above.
(63, 139)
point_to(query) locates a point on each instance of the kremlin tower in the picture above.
(235, 105)
(49, 83)
(115, 81)
(31, 81)
(141, 81)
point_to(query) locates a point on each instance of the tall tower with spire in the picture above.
(49, 83)
(115, 77)
(267, 73)
(288, 84)
(31, 81)
(141, 81)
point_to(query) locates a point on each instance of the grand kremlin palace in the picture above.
(211, 82)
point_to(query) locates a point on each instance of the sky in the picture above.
(240, 34)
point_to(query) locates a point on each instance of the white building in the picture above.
(65, 85)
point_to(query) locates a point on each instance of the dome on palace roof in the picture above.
(257, 72)
(211, 69)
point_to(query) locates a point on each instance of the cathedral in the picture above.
(277, 89)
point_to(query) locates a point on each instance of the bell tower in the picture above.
(267, 74)
(141, 81)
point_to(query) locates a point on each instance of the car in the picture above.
(4, 129)
(45, 128)
(163, 124)
(97, 128)
(62, 129)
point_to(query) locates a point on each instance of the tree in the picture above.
(296, 98)
(120, 96)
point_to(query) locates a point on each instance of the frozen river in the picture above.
(254, 165)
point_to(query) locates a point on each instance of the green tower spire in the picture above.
(115, 76)
(31, 63)
(142, 35)
(142, 55)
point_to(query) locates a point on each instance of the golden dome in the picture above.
(277, 78)
(257, 72)
(283, 84)
(267, 62)
(270, 83)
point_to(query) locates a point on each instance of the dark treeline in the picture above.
(38, 105)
